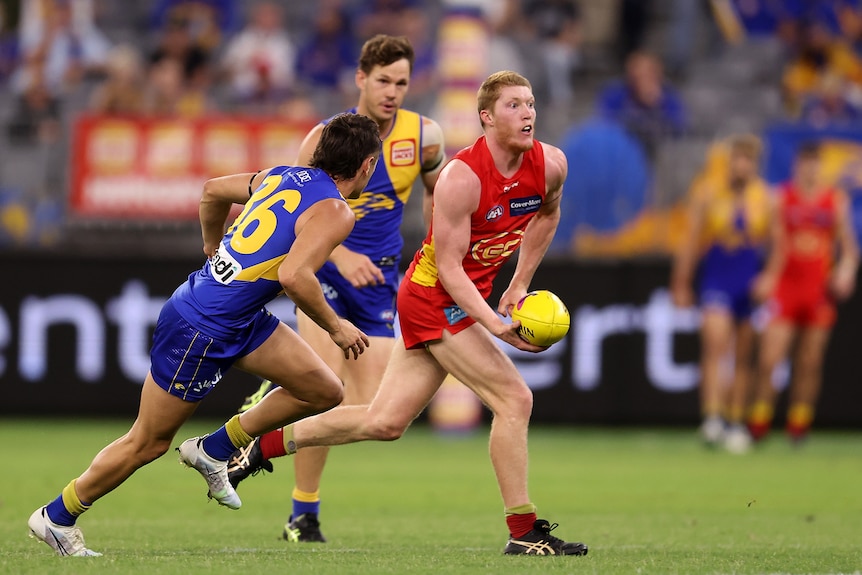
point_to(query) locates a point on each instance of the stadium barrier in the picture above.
(75, 334)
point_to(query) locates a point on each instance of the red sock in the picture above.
(272, 444)
(520, 523)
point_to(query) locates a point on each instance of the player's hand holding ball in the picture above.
(544, 318)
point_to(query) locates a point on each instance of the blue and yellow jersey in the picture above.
(380, 208)
(733, 222)
(242, 276)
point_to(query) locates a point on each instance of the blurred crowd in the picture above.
(612, 79)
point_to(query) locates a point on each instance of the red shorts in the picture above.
(425, 312)
(804, 305)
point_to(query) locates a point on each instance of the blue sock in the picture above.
(218, 445)
(303, 507)
(58, 513)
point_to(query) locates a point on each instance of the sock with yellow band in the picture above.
(305, 502)
(66, 508)
(799, 419)
(230, 437)
(760, 419)
(520, 519)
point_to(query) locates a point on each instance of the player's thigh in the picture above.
(289, 361)
(160, 414)
(775, 343)
(745, 337)
(410, 380)
(319, 340)
(362, 377)
(716, 331)
(474, 358)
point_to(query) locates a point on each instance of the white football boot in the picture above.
(66, 541)
(213, 471)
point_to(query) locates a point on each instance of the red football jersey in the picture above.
(505, 208)
(810, 227)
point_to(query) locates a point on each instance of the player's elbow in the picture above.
(209, 194)
(385, 427)
(290, 280)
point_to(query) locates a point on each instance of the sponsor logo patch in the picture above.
(454, 314)
(223, 267)
(329, 292)
(402, 153)
(521, 206)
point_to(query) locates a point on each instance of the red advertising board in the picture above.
(154, 168)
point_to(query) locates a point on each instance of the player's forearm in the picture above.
(303, 288)
(537, 237)
(463, 291)
(213, 213)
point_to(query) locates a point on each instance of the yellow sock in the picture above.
(305, 496)
(800, 415)
(761, 413)
(735, 413)
(287, 439)
(71, 501)
(521, 509)
(236, 433)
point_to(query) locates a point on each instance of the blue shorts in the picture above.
(187, 363)
(371, 308)
(725, 280)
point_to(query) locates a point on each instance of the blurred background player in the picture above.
(216, 319)
(727, 230)
(495, 197)
(802, 286)
(360, 279)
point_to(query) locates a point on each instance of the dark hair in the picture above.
(808, 150)
(345, 142)
(383, 50)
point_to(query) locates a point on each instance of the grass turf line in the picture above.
(645, 501)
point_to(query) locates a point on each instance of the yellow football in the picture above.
(544, 318)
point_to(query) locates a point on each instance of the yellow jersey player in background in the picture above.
(727, 232)
(217, 319)
(360, 279)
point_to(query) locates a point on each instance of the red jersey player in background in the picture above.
(801, 283)
(500, 193)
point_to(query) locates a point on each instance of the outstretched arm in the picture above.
(682, 274)
(844, 275)
(766, 281)
(318, 231)
(539, 232)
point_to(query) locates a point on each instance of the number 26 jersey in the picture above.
(222, 297)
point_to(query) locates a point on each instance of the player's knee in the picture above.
(515, 403)
(328, 396)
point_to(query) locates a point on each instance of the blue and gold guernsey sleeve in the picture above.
(380, 208)
(242, 276)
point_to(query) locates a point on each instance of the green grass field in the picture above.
(645, 501)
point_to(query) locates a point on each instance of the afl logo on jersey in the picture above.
(402, 153)
(494, 213)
